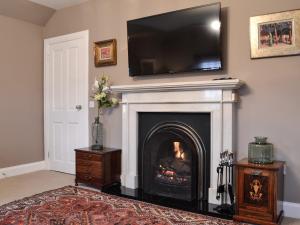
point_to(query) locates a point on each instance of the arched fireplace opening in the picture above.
(174, 161)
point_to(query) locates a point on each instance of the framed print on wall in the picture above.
(105, 53)
(276, 34)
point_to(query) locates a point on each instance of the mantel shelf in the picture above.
(194, 85)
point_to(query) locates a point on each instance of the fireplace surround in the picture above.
(214, 97)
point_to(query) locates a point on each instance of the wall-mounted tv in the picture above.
(175, 42)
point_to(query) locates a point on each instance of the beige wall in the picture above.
(21, 92)
(269, 104)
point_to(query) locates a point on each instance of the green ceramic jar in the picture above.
(260, 151)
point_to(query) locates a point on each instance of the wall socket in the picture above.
(91, 104)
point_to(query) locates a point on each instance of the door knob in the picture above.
(78, 107)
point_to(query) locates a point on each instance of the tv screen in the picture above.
(174, 42)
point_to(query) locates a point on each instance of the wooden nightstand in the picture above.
(259, 192)
(98, 167)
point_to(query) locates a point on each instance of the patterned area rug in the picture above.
(78, 206)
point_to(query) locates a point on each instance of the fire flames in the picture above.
(179, 153)
(175, 169)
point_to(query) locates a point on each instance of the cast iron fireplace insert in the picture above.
(174, 155)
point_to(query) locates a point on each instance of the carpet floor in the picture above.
(80, 206)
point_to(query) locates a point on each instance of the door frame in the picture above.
(47, 43)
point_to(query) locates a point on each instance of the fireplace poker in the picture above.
(226, 183)
(220, 186)
(230, 189)
(230, 181)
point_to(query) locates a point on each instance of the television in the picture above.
(175, 42)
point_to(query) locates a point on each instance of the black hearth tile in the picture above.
(201, 207)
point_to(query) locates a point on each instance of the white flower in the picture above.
(105, 89)
(114, 101)
(97, 97)
(96, 84)
(102, 95)
(104, 79)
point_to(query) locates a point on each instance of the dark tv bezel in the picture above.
(185, 71)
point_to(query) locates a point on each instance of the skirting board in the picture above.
(22, 169)
(291, 209)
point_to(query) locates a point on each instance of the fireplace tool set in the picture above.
(225, 183)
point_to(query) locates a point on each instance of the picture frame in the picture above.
(105, 53)
(275, 35)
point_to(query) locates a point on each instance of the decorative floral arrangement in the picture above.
(103, 94)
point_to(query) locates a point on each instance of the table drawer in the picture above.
(94, 169)
(89, 178)
(88, 156)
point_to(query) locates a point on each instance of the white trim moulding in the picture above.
(291, 209)
(22, 169)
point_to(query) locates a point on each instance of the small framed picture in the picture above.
(276, 34)
(105, 53)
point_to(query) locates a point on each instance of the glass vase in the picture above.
(260, 151)
(97, 134)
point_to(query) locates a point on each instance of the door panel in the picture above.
(57, 80)
(57, 140)
(72, 92)
(73, 130)
(66, 101)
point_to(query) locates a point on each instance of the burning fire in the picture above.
(175, 170)
(179, 153)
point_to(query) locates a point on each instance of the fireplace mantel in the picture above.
(194, 85)
(217, 97)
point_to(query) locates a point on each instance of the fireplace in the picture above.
(216, 98)
(174, 153)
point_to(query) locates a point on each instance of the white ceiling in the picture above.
(58, 4)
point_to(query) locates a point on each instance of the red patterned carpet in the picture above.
(78, 206)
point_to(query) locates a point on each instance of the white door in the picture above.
(66, 99)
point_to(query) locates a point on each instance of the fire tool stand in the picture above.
(225, 184)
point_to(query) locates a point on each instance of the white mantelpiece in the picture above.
(195, 85)
(216, 97)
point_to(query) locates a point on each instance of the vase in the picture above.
(97, 134)
(260, 151)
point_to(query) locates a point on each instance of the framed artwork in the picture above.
(276, 34)
(105, 53)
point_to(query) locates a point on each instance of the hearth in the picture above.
(174, 155)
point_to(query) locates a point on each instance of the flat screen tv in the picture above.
(175, 42)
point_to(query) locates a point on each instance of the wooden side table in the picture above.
(98, 168)
(259, 192)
